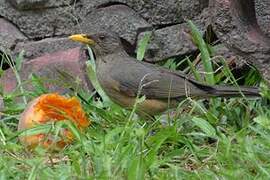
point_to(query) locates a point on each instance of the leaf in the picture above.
(205, 55)
(193, 70)
(136, 170)
(74, 130)
(142, 46)
(34, 172)
(156, 141)
(19, 60)
(37, 130)
(110, 136)
(91, 72)
(38, 84)
(140, 99)
(1, 72)
(265, 90)
(205, 126)
(263, 120)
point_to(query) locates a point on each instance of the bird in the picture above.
(123, 78)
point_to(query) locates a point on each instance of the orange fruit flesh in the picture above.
(51, 108)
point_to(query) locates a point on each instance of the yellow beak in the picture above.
(82, 38)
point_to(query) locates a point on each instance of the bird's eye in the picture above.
(101, 37)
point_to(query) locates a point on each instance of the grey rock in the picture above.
(96, 15)
(169, 42)
(203, 20)
(263, 15)
(35, 49)
(42, 23)
(236, 25)
(25, 4)
(38, 4)
(9, 35)
(234, 61)
(119, 18)
(157, 12)
(166, 11)
(223, 51)
(175, 40)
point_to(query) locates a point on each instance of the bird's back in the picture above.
(153, 81)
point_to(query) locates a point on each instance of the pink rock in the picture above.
(34, 49)
(47, 67)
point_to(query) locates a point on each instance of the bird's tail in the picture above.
(230, 91)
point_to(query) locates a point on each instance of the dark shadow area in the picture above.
(110, 4)
(210, 36)
(3, 61)
(129, 48)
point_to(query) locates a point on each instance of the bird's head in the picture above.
(102, 43)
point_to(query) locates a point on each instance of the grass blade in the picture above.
(91, 72)
(205, 55)
(142, 45)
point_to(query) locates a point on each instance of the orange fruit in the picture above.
(49, 108)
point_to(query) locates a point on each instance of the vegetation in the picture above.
(203, 139)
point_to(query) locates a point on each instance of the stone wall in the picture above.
(40, 27)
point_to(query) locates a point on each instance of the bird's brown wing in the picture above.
(152, 81)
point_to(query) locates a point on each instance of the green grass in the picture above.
(216, 139)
